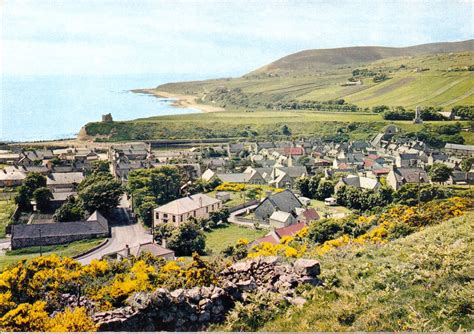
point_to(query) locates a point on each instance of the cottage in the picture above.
(27, 235)
(397, 177)
(359, 182)
(181, 210)
(460, 150)
(285, 201)
(70, 181)
(277, 234)
(149, 248)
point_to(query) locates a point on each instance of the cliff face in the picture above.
(196, 308)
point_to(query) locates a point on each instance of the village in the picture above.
(274, 187)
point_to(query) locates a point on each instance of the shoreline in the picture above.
(181, 100)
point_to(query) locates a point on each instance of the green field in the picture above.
(6, 210)
(419, 283)
(72, 249)
(220, 238)
(235, 124)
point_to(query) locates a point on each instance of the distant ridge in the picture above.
(323, 59)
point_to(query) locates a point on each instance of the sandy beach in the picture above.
(182, 101)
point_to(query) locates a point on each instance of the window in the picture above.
(174, 219)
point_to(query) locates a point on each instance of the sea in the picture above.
(48, 107)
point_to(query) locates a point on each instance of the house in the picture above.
(11, 178)
(149, 247)
(407, 160)
(306, 215)
(461, 178)
(281, 219)
(397, 177)
(180, 210)
(359, 182)
(27, 235)
(70, 181)
(277, 234)
(459, 150)
(282, 201)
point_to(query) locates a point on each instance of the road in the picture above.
(123, 232)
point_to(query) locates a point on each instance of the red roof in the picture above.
(368, 163)
(310, 214)
(293, 151)
(289, 230)
(268, 238)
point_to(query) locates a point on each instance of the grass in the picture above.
(219, 239)
(7, 207)
(321, 208)
(72, 249)
(419, 283)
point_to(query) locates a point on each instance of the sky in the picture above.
(225, 38)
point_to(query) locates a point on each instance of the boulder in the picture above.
(307, 267)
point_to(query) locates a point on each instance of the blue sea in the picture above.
(56, 107)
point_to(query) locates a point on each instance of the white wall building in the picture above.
(180, 210)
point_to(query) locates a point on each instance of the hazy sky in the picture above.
(209, 37)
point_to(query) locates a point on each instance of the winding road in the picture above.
(123, 232)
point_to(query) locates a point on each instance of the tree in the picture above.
(285, 130)
(43, 197)
(440, 172)
(100, 166)
(71, 210)
(325, 190)
(163, 232)
(466, 164)
(34, 181)
(302, 185)
(100, 191)
(145, 210)
(22, 198)
(252, 193)
(187, 239)
(323, 230)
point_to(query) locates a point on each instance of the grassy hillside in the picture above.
(419, 283)
(322, 59)
(439, 80)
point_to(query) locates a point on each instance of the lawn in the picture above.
(321, 208)
(72, 249)
(220, 238)
(6, 210)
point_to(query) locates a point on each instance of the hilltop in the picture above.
(322, 59)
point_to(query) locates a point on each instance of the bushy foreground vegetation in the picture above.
(419, 283)
(403, 269)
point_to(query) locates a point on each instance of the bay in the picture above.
(56, 107)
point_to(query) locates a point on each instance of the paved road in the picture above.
(123, 233)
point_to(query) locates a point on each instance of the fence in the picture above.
(244, 205)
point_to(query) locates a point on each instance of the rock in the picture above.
(307, 267)
(247, 285)
(194, 294)
(241, 266)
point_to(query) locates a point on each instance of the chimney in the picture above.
(163, 243)
(127, 251)
(200, 201)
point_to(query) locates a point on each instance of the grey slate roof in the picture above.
(283, 201)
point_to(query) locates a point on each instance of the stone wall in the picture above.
(194, 309)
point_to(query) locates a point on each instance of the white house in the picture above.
(180, 210)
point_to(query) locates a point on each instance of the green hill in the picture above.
(437, 74)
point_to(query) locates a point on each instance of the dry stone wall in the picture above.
(194, 309)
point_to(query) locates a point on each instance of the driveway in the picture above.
(123, 232)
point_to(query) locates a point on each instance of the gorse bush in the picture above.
(31, 290)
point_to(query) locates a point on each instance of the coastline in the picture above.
(182, 101)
